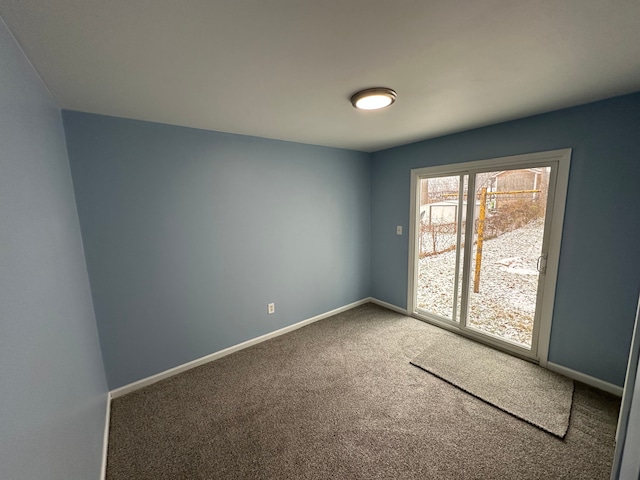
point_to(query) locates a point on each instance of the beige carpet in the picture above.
(527, 391)
(339, 399)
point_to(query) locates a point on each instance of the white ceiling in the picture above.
(285, 69)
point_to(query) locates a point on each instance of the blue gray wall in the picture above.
(599, 272)
(52, 385)
(189, 234)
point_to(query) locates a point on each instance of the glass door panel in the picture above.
(507, 255)
(440, 243)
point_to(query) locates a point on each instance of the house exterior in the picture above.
(521, 180)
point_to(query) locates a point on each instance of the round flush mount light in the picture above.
(373, 98)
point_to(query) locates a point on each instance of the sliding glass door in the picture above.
(481, 238)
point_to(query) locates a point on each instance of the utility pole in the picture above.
(481, 216)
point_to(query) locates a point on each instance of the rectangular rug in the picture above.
(520, 388)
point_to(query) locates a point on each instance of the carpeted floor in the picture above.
(528, 391)
(339, 399)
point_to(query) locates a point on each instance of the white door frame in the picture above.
(561, 160)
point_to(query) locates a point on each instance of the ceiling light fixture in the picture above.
(373, 98)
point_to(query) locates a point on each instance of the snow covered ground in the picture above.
(505, 304)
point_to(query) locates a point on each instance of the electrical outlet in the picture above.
(271, 308)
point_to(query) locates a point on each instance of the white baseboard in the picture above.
(584, 378)
(105, 440)
(131, 387)
(389, 306)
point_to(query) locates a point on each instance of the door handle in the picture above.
(541, 265)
